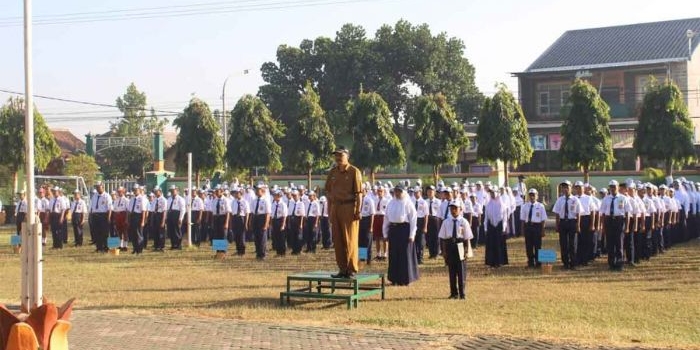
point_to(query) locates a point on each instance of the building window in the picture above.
(642, 82)
(544, 103)
(538, 142)
(551, 97)
(611, 95)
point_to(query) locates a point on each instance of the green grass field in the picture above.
(654, 304)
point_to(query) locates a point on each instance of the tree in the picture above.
(198, 133)
(397, 62)
(253, 136)
(502, 131)
(665, 133)
(585, 134)
(310, 139)
(135, 121)
(12, 145)
(439, 135)
(376, 144)
(82, 165)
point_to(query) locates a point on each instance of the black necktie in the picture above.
(430, 208)
(566, 207)
(308, 212)
(277, 205)
(239, 207)
(612, 207)
(218, 205)
(529, 215)
(133, 206)
(257, 204)
(294, 210)
(447, 210)
(454, 229)
(97, 202)
(53, 208)
(172, 201)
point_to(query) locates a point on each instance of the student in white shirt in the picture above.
(58, 216)
(313, 216)
(421, 207)
(295, 223)
(260, 220)
(20, 211)
(532, 220)
(367, 211)
(177, 207)
(568, 222)
(455, 232)
(495, 221)
(399, 228)
(79, 215)
(278, 223)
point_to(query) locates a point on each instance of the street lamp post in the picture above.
(223, 108)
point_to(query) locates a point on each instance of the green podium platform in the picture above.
(320, 285)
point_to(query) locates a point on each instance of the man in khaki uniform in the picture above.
(343, 188)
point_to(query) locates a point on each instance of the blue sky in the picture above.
(173, 58)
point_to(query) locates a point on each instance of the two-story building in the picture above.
(619, 61)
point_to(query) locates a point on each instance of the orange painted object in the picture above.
(43, 319)
(66, 310)
(7, 320)
(21, 338)
(59, 336)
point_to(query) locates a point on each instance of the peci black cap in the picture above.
(341, 149)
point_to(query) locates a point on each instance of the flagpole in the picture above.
(32, 274)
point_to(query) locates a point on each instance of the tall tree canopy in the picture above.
(12, 145)
(376, 144)
(585, 134)
(309, 139)
(665, 132)
(439, 135)
(396, 63)
(502, 132)
(82, 165)
(198, 133)
(135, 121)
(253, 137)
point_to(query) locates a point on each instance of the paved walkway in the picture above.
(109, 330)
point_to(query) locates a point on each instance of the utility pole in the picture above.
(32, 274)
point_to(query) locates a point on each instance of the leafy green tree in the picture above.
(12, 145)
(439, 135)
(585, 134)
(502, 132)
(253, 137)
(136, 121)
(376, 144)
(397, 62)
(665, 132)
(310, 139)
(198, 133)
(82, 165)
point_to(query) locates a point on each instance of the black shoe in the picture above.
(340, 274)
(462, 297)
(350, 275)
(134, 252)
(453, 296)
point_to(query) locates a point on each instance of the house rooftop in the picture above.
(619, 46)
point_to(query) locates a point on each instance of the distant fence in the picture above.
(114, 184)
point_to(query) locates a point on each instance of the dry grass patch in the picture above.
(655, 304)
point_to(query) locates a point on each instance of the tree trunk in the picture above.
(505, 173)
(669, 167)
(14, 183)
(371, 175)
(436, 174)
(586, 174)
(196, 179)
(308, 178)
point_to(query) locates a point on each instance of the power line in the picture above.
(82, 102)
(150, 14)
